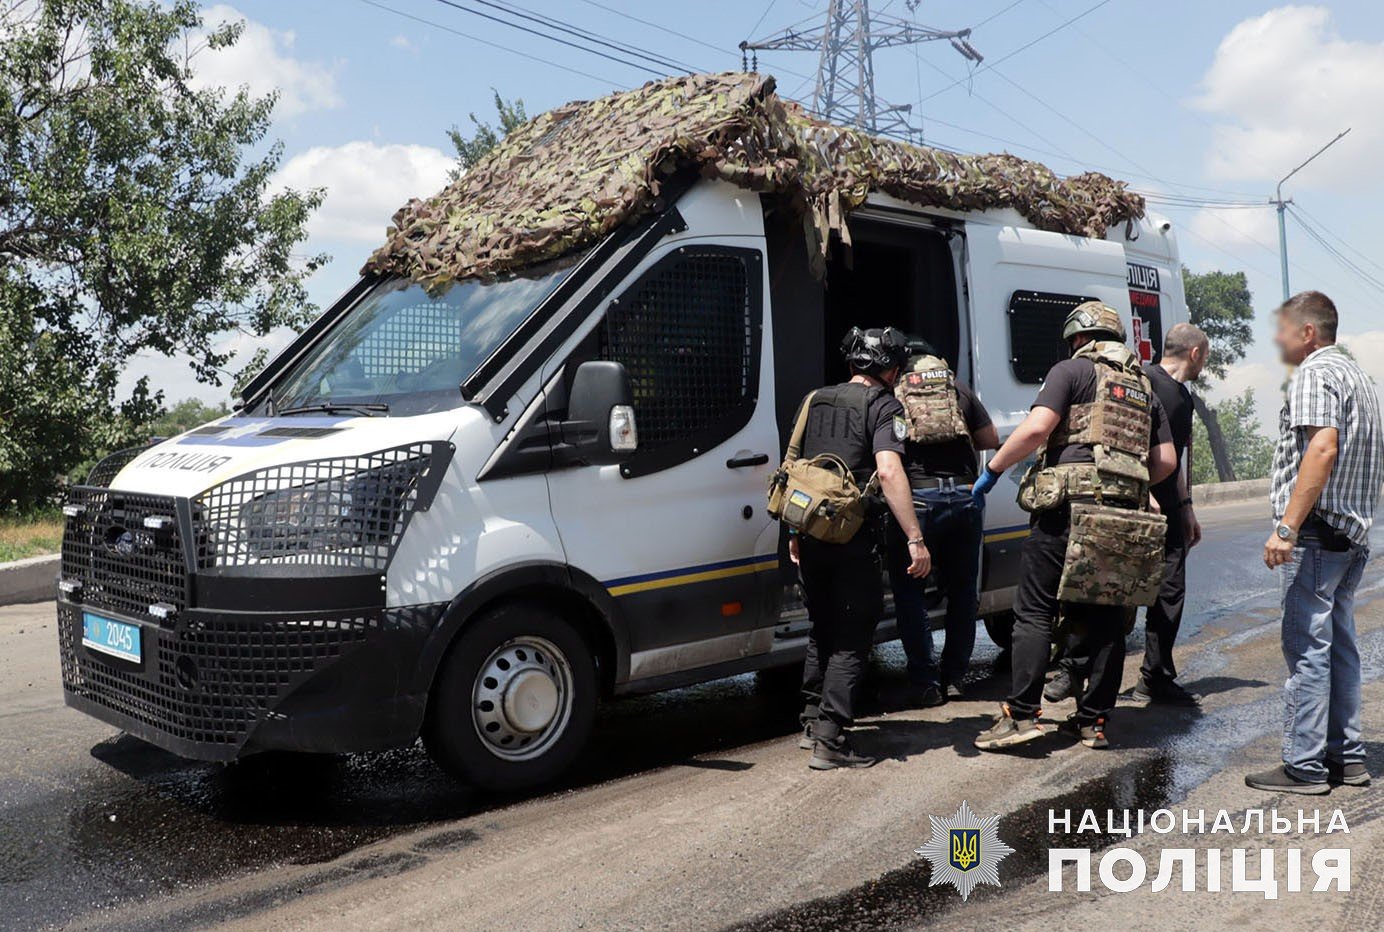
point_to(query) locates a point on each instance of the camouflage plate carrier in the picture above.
(1115, 547)
(928, 394)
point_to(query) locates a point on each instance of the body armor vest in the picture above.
(928, 394)
(838, 423)
(1116, 424)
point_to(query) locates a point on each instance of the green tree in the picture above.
(184, 416)
(135, 217)
(470, 149)
(1250, 451)
(1220, 304)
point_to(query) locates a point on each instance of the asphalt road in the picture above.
(693, 809)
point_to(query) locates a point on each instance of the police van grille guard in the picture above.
(347, 511)
(119, 561)
(210, 679)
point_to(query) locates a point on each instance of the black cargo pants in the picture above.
(1097, 632)
(845, 598)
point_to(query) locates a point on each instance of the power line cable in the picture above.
(543, 35)
(1341, 258)
(1340, 239)
(552, 22)
(486, 42)
(994, 16)
(990, 65)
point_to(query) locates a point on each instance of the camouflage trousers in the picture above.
(1098, 631)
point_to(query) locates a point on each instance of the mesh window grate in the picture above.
(410, 340)
(685, 334)
(349, 511)
(211, 679)
(1035, 332)
(107, 469)
(123, 565)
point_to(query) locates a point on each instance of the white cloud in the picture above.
(1233, 230)
(404, 43)
(366, 183)
(1286, 82)
(1266, 378)
(262, 61)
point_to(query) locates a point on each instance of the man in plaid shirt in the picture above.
(1327, 472)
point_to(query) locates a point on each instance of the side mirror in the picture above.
(599, 428)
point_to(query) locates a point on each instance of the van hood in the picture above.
(191, 463)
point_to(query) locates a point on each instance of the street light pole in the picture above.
(1283, 207)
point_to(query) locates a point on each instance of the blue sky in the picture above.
(1209, 101)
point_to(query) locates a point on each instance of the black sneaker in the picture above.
(1168, 692)
(806, 741)
(833, 757)
(928, 697)
(1062, 686)
(953, 693)
(1090, 734)
(1009, 731)
(1338, 774)
(1278, 780)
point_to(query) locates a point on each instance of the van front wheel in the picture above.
(514, 700)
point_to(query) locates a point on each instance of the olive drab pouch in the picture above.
(1114, 556)
(931, 407)
(818, 496)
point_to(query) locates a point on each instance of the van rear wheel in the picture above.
(1000, 627)
(514, 701)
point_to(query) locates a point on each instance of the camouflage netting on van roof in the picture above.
(568, 177)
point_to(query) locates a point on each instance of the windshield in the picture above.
(406, 350)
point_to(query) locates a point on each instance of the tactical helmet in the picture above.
(1093, 317)
(874, 351)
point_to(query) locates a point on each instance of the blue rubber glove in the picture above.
(983, 485)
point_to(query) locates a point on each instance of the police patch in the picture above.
(900, 428)
(1125, 395)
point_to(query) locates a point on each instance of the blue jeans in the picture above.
(1322, 720)
(953, 529)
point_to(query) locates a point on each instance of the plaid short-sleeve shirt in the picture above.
(1330, 389)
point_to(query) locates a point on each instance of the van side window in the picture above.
(688, 333)
(1035, 332)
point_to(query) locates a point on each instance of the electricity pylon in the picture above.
(845, 46)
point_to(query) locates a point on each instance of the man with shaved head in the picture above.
(1185, 349)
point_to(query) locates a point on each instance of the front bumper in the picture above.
(221, 685)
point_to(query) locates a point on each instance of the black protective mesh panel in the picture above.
(210, 679)
(103, 472)
(685, 335)
(348, 511)
(1035, 332)
(121, 564)
(410, 340)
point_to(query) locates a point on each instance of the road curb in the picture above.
(30, 580)
(1220, 493)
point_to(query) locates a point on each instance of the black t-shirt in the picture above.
(1073, 382)
(1177, 404)
(952, 458)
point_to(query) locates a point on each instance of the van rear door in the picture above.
(1022, 283)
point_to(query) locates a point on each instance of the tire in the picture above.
(1001, 629)
(514, 700)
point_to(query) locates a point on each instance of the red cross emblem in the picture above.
(1142, 345)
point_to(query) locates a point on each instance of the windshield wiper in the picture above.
(369, 409)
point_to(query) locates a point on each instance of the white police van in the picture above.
(470, 515)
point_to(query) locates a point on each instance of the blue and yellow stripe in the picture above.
(683, 576)
(1001, 534)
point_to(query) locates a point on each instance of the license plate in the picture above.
(112, 637)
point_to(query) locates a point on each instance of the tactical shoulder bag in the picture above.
(817, 496)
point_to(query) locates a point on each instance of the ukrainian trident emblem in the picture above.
(965, 850)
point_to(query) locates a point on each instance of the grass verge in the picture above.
(29, 537)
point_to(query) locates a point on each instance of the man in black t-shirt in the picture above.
(862, 423)
(1055, 423)
(941, 472)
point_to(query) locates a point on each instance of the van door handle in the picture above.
(754, 459)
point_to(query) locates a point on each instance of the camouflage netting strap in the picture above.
(567, 178)
(1114, 556)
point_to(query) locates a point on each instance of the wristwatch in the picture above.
(915, 540)
(1285, 533)
(1185, 503)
